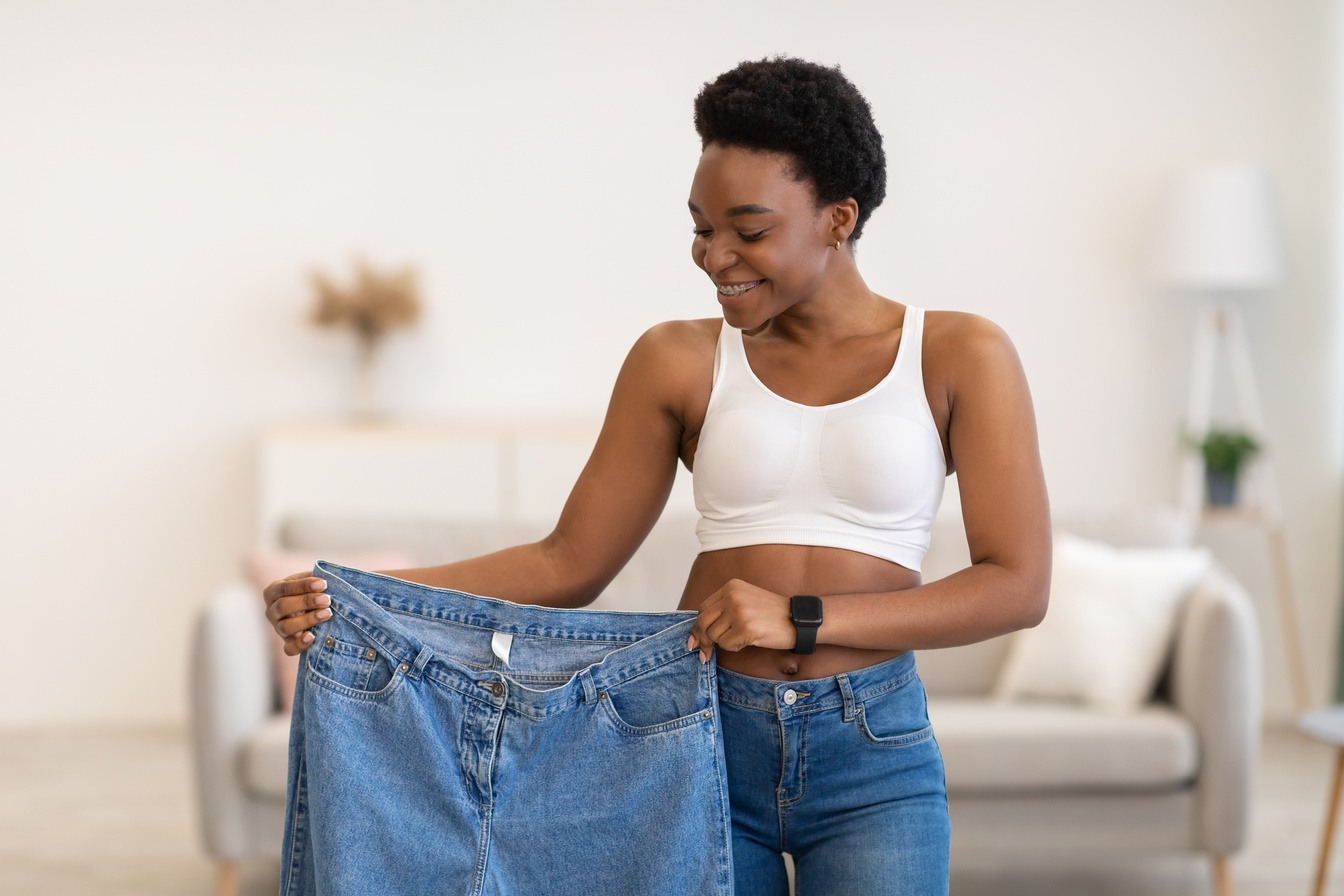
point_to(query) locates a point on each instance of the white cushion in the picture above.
(993, 747)
(1108, 628)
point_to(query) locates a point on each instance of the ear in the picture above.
(844, 217)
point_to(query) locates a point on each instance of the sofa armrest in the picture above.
(232, 695)
(1216, 682)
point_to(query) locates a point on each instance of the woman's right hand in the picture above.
(295, 604)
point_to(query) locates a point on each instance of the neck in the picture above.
(840, 308)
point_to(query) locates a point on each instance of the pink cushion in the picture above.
(264, 567)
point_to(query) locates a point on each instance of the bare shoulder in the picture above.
(672, 365)
(960, 331)
(958, 345)
(681, 336)
(676, 349)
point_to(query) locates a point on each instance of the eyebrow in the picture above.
(737, 210)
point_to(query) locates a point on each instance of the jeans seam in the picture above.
(468, 693)
(801, 766)
(482, 851)
(643, 670)
(764, 707)
(294, 851)
(467, 788)
(860, 696)
(548, 634)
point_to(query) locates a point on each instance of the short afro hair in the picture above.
(807, 111)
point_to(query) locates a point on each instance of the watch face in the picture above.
(805, 609)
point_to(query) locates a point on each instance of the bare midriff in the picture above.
(789, 569)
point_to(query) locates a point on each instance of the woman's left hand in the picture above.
(741, 615)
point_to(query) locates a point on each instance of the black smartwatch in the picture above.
(805, 614)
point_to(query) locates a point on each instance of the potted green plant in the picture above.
(1225, 450)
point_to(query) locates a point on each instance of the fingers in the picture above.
(295, 604)
(294, 629)
(290, 626)
(700, 634)
(741, 615)
(298, 644)
(299, 583)
(292, 604)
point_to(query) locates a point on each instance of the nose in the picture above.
(718, 257)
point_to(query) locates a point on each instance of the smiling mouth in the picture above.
(738, 288)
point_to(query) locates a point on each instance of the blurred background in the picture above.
(171, 174)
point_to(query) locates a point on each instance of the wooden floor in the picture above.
(111, 812)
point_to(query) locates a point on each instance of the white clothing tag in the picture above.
(500, 643)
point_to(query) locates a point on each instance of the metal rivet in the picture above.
(371, 653)
(405, 668)
(497, 689)
(706, 714)
(601, 695)
(330, 641)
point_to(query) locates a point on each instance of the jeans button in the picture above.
(790, 697)
(497, 689)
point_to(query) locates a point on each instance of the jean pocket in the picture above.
(344, 662)
(895, 717)
(666, 698)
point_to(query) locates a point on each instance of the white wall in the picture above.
(170, 172)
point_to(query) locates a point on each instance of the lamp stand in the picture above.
(1219, 323)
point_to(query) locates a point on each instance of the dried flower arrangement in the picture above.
(372, 306)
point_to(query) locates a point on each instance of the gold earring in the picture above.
(837, 246)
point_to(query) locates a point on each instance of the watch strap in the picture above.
(807, 639)
(806, 614)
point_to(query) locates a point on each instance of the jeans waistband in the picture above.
(789, 698)
(556, 657)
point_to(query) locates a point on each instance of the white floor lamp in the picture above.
(1222, 243)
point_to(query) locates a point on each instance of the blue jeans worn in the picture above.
(843, 774)
(451, 744)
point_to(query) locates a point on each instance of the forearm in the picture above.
(539, 573)
(977, 603)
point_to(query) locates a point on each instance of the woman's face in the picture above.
(759, 234)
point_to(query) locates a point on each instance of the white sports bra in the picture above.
(865, 474)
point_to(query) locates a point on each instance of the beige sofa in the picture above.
(1173, 777)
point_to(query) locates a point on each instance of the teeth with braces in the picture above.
(739, 289)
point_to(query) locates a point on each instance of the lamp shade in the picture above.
(1222, 233)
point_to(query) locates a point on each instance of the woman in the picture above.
(819, 420)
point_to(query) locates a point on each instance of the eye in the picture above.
(702, 232)
(752, 237)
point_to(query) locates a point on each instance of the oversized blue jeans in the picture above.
(443, 743)
(447, 743)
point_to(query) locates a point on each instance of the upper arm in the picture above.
(994, 448)
(625, 484)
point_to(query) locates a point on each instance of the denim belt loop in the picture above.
(589, 689)
(421, 660)
(848, 693)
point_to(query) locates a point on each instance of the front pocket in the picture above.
(351, 665)
(895, 717)
(663, 699)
